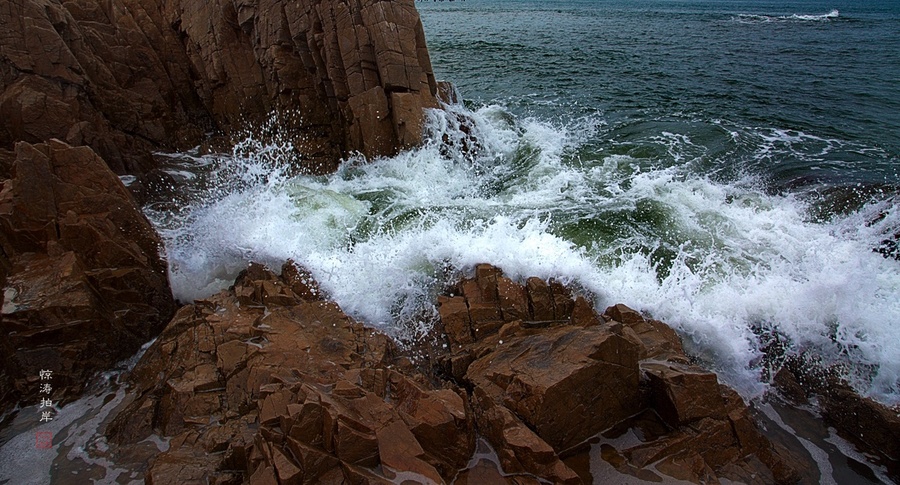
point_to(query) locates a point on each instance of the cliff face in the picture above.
(126, 77)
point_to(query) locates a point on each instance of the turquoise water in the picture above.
(727, 167)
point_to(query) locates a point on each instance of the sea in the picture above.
(727, 166)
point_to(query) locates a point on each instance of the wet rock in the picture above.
(260, 384)
(871, 425)
(455, 318)
(566, 383)
(290, 390)
(84, 282)
(519, 448)
(682, 394)
(562, 385)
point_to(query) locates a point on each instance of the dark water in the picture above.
(822, 79)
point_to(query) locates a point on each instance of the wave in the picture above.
(717, 257)
(757, 18)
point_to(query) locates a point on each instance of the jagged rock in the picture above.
(871, 426)
(551, 380)
(259, 384)
(682, 394)
(519, 448)
(289, 389)
(84, 282)
(127, 77)
(566, 383)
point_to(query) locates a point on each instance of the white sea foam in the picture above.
(757, 18)
(383, 238)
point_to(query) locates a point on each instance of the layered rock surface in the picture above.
(84, 281)
(126, 77)
(266, 383)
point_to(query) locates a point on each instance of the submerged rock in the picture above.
(83, 279)
(265, 383)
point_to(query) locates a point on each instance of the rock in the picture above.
(275, 387)
(519, 448)
(682, 394)
(566, 383)
(873, 426)
(540, 299)
(293, 391)
(455, 318)
(128, 77)
(110, 76)
(548, 385)
(84, 282)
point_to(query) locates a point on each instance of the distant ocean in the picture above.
(729, 167)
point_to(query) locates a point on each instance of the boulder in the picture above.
(566, 383)
(85, 284)
(263, 384)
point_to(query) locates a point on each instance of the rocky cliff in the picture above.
(126, 77)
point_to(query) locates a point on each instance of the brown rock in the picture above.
(398, 450)
(513, 300)
(562, 301)
(583, 314)
(518, 447)
(540, 299)
(300, 281)
(566, 383)
(84, 282)
(310, 396)
(128, 77)
(682, 394)
(455, 319)
(296, 393)
(873, 425)
(623, 314)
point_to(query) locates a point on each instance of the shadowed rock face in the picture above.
(84, 281)
(266, 382)
(126, 77)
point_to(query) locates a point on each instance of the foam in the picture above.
(756, 18)
(383, 237)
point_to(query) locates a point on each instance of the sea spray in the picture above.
(717, 257)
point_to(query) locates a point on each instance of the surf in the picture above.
(719, 258)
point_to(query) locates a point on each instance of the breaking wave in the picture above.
(664, 224)
(756, 18)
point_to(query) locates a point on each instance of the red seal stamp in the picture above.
(43, 440)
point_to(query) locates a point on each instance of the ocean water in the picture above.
(729, 167)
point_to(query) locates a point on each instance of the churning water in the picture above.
(727, 167)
